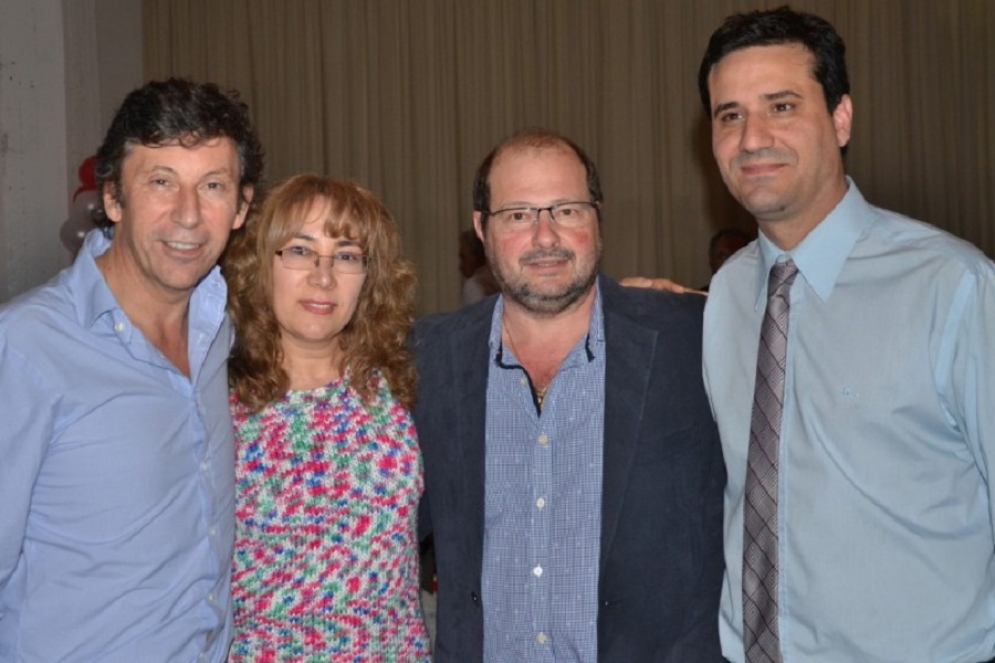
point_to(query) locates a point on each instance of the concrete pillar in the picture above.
(65, 66)
(33, 187)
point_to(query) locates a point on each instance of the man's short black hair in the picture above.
(177, 111)
(781, 26)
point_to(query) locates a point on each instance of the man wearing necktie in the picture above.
(854, 399)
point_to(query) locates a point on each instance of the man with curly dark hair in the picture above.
(117, 473)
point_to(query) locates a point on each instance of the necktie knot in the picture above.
(782, 275)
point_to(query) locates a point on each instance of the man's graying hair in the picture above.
(177, 111)
(530, 139)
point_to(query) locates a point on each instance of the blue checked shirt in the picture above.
(542, 520)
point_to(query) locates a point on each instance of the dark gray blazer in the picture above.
(661, 530)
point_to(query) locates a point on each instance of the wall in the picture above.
(406, 97)
(64, 66)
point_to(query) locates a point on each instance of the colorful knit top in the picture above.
(326, 552)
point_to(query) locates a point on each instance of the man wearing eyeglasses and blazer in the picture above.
(573, 471)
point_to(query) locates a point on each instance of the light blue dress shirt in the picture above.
(542, 513)
(886, 542)
(116, 479)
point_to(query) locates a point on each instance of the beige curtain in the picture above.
(407, 96)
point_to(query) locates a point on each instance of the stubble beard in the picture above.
(545, 303)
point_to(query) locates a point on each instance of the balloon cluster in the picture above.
(86, 202)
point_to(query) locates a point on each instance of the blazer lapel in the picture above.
(630, 349)
(471, 356)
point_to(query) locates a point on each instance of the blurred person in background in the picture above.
(479, 279)
(723, 246)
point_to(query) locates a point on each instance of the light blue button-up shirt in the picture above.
(886, 539)
(542, 514)
(116, 478)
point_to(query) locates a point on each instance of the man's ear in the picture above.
(477, 227)
(112, 207)
(842, 118)
(244, 203)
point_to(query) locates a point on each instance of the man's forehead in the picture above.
(533, 152)
(792, 54)
(509, 163)
(175, 150)
(762, 72)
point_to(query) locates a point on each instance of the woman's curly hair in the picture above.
(375, 338)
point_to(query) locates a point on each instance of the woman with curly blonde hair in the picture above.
(328, 472)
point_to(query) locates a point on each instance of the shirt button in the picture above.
(119, 327)
(541, 638)
(213, 531)
(543, 439)
(203, 466)
(522, 381)
(210, 597)
(541, 503)
(537, 572)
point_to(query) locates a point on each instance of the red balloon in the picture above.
(87, 176)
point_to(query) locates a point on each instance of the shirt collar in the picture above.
(821, 255)
(595, 330)
(95, 297)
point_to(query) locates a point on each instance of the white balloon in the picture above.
(80, 220)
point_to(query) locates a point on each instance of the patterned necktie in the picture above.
(760, 634)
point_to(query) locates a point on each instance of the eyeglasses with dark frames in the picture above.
(570, 215)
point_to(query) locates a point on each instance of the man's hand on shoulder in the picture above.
(659, 284)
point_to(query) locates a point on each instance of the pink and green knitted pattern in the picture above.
(326, 556)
